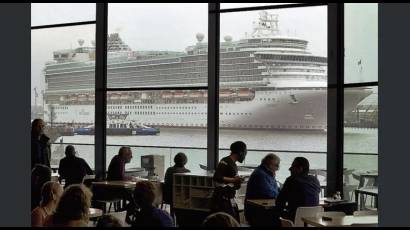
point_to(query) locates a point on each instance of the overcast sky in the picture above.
(160, 27)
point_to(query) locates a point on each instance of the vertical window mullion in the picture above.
(213, 86)
(101, 90)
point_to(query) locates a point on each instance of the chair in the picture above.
(331, 214)
(365, 213)
(203, 167)
(286, 223)
(306, 212)
(120, 216)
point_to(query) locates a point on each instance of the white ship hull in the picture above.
(304, 109)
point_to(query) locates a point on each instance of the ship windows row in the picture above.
(183, 107)
(60, 107)
(131, 107)
(267, 99)
(237, 114)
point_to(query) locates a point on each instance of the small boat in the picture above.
(120, 130)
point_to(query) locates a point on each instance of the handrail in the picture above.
(202, 148)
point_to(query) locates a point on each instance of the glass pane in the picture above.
(62, 81)
(273, 83)
(242, 5)
(361, 42)
(57, 13)
(361, 142)
(361, 120)
(169, 118)
(169, 51)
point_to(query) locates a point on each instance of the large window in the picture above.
(161, 48)
(361, 120)
(273, 84)
(272, 79)
(63, 76)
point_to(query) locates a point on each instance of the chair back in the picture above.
(306, 212)
(286, 223)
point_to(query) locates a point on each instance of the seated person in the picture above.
(72, 168)
(116, 169)
(50, 195)
(299, 190)
(220, 219)
(108, 221)
(39, 176)
(180, 160)
(72, 209)
(148, 215)
(262, 185)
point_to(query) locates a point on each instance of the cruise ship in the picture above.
(267, 81)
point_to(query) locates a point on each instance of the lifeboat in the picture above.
(114, 97)
(226, 93)
(82, 97)
(167, 95)
(91, 97)
(73, 98)
(179, 94)
(245, 92)
(124, 97)
(195, 94)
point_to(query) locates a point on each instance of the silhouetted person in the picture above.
(116, 169)
(262, 185)
(40, 146)
(147, 215)
(299, 190)
(72, 168)
(180, 160)
(39, 176)
(227, 181)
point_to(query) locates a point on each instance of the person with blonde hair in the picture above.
(50, 195)
(220, 219)
(73, 208)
